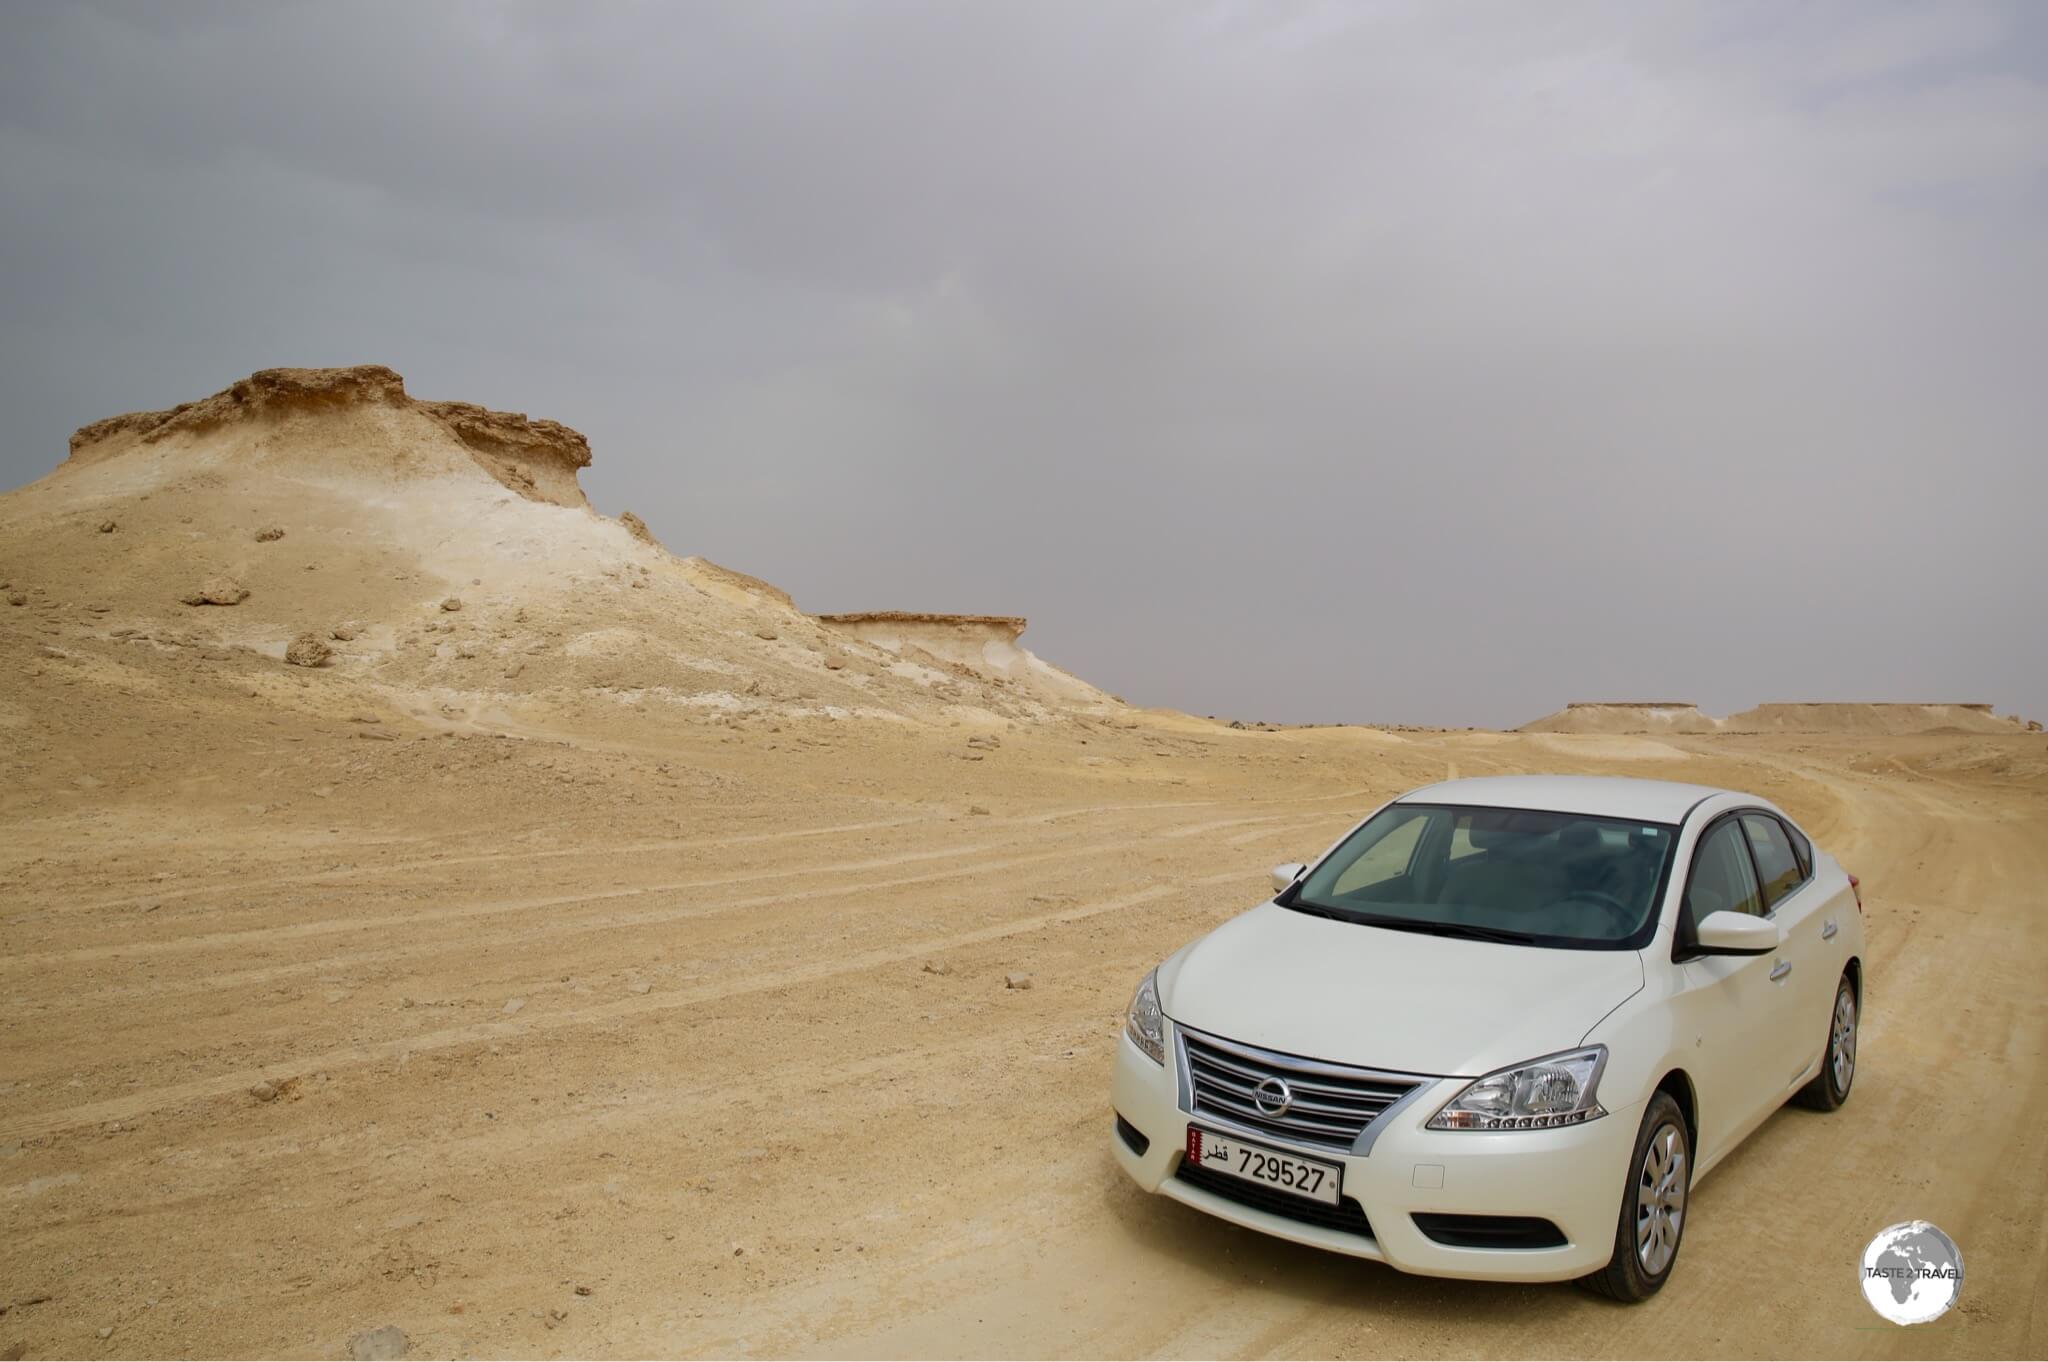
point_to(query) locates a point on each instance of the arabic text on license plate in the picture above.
(1282, 1172)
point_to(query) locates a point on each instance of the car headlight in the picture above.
(1143, 1022)
(1556, 1090)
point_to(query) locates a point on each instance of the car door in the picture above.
(1803, 962)
(1730, 1004)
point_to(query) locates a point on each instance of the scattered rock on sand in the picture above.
(975, 810)
(343, 633)
(1016, 981)
(108, 527)
(639, 987)
(16, 598)
(637, 527)
(768, 634)
(379, 1345)
(937, 967)
(308, 650)
(266, 1091)
(217, 591)
(452, 604)
(513, 1005)
(269, 535)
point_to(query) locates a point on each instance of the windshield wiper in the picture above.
(1459, 929)
(1314, 910)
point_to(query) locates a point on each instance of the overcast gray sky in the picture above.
(1399, 362)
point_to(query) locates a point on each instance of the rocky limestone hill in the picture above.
(320, 540)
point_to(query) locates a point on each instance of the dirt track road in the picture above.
(733, 1069)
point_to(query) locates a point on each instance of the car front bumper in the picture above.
(1573, 1177)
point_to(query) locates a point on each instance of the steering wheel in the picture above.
(1623, 914)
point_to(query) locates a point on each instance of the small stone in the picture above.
(364, 719)
(107, 527)
(582, 1290)
(833, 664)
(937, 967)
(513, 1005)
(639, 987)
(976, 810)
(266, 1091)
(379, 1345)
(452, 604)
(107, 1332)
(215, 654)
(1016, 981)
(217, 591)
(269, 535)
(16, 598)
(343, 633)
(768, 634)
(308, 650)
(376, 736)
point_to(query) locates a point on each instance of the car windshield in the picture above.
(1518, 875)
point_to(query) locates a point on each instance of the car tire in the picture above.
(1653, 1206)
(1830, 1087)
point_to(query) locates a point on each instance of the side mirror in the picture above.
(1284, 875)
(1731, 933)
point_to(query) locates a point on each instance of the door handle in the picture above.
(1828, 930)
(1780, 970)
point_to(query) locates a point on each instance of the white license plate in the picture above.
(1308, 1178)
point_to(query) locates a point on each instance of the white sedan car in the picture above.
(1500, 1029)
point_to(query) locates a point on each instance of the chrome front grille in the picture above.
(1328, 1105)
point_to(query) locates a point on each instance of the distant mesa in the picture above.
(985, 645)
(1877, 718)
(883, 620)
(1624, 716)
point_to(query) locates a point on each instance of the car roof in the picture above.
(1653, 801)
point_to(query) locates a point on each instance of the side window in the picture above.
(1722, 878)
(1386, 859)
(1775, 859)
(1803, 849)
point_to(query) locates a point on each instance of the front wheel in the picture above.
(1652, 1210)
(1830, 1087)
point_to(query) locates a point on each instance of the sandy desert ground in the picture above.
(615, 964)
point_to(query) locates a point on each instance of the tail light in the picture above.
(1857, 886)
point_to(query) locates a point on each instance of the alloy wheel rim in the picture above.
(1842, 1040)
(1660, 1199)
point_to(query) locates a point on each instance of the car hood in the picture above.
(1352, 994)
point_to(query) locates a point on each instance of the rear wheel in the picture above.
(1830, 1087)
(1652, 1219)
